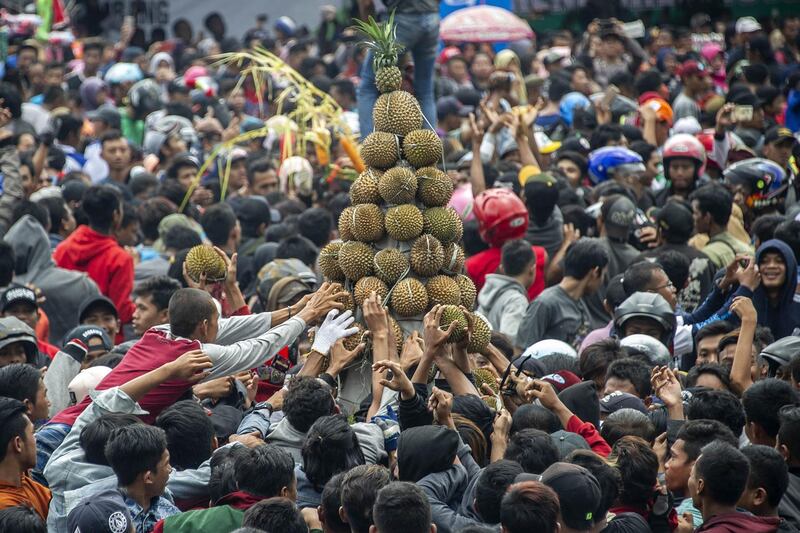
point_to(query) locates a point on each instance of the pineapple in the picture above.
(380, 38)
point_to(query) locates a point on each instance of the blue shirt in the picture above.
(145, 521)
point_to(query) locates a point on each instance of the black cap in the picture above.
(98, 300)
(105, 512)
(17, 294)
(578, 491)
(779, 134)
(675, 221)
(109, 115)
(449, 105)
(617, 400)
(469, 96)
(84, 333)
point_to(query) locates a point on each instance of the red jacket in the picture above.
(486, 262)
(104, 260)
(153, 350)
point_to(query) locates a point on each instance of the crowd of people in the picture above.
(631, 215)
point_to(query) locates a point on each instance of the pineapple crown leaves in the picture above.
(381, 38)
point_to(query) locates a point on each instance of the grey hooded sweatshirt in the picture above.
(64, 289)
(503, 301)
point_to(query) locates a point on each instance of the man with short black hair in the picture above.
(17, 457)
(401, 507)
(559, 313)
(139, 457)
(762, 403)
(360, 487)
(262, 178)
(711, 210)
(718, 479)
(503, 299)
(578, 493)
(94, 250)
(151, 298)
(530, 506)
(766, 484)
(691, 438)
(275, 514)
(628, 375)
(707, 340)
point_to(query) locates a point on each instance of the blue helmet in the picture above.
(286, 25)
(604, 162)
(570, 103)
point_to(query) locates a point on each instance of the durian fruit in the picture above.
(396, 112)
(468, 291)
(491, 402)
(328, 261)
(203, 259)
(382, 40)
(352, 342)
(365, 189)
(366, 223)
(434, 187)
(422, 148)
(426, 257)
(483, 376)
(403, 222)
(443, 290)
(398, 335)
(390, 265)
(453, 258)
(398, 185)
(450, 314)
(346, 299)
(346, 224)
(365, 286)
(380, 149)
(481, 334)
(443, 223)
(355, 259)
(409, 297)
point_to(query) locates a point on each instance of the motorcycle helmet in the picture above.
(501, 215)
(145, 97)
(652, 349)
(761, 181)
(547, 347)
(685, 146)
(286, 25)
(606, 162)
(647, 305)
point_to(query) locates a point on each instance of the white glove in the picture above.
(332, 329)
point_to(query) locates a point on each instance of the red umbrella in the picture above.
(484, 24)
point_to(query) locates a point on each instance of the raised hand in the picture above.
(322, 302)
(341, 356)
(397, 381)
(193, 366)
(434, 336)
(336, 326)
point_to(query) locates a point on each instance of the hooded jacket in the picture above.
(425, 450)
(105, 261)
(740, 523)
(785, 317)
(789, 508)
(65, 289)
(503, 301)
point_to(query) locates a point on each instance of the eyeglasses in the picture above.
(668, 285)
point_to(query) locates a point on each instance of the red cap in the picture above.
(692, 68)
(562, 379)
(447, 54)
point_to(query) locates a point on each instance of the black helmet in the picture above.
(648, 305)
(145, 97)
(764, 179)
(780, 353)
(13, 330)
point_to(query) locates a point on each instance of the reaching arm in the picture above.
(458, 381)
(741, 377)
(476, 166)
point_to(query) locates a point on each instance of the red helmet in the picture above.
(685, 146)
(706, 138)
(192, 73)
(501, 215)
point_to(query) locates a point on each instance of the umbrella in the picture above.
(482, 24)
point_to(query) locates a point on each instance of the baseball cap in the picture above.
(17, 294)
(109, 115)
(561, 379)
(450, 105)
(675, 219)
(747, 25)
(98, 300)
(779, 134)
(619, 218)
(621, 400)
(105, 512)
(84, 333)
(86, 382)
(578, 492)
(692, 68)
(567, 442)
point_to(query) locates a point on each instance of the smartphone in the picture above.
(742, 113)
